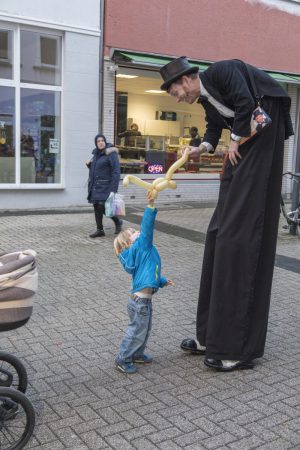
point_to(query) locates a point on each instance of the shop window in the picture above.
(36, 157)
(5, 54)
(40, 58)
(165, 127)
(7, 134)
(40, 136)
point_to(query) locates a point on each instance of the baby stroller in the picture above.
(18, 284)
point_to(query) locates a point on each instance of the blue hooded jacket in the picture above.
(142, 259)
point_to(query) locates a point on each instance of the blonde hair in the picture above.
(123, 240)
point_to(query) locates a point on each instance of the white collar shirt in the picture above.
(222, 109)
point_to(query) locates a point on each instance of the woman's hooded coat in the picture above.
(104, 172)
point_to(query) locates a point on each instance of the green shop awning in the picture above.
(149, 61)
(143, 60)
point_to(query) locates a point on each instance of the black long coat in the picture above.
(238, 262)
(228, 82)
(104, 174)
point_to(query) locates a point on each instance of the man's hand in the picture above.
(233, 153)
(194, 152)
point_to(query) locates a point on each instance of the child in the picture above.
(140, 258)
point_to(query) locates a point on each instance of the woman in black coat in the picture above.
(104, 178)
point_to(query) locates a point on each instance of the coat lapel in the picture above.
(213, 114)
(212, 91)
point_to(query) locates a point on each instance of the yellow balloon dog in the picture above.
(159, 184)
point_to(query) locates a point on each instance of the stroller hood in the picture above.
(18, 284)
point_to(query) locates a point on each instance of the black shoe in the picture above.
(219, 365)
(190, 345)
(97, 233)
(119, 225)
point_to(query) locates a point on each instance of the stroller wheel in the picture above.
(17, 419)
(12, 372)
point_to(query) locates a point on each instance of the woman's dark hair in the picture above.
(100, 136)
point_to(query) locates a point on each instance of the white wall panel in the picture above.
(187, 190)
(290, 145)
(108, 101)
(73, 13)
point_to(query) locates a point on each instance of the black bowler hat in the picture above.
(175, 70)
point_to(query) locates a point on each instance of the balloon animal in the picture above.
(159, 184)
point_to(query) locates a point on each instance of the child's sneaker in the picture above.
(126, 367)
(143, 359)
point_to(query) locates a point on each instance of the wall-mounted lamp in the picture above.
(112, 68)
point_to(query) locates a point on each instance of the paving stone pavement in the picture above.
(79, 318)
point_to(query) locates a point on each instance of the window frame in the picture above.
(18, 85)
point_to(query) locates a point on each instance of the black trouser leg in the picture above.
(99, 211)
(116, 220)
(118, 224)
(205, 287)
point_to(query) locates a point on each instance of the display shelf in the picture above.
(140, 159)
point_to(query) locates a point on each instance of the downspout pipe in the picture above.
(101, 65)
(296, 185)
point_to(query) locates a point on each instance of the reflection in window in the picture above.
(5, 54)
(4, 45)
(48, 50)
(7, 135)
(40, 136)
(40, 58)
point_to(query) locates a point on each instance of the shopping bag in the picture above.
(114, 205)
(119, 205)
(109, 205)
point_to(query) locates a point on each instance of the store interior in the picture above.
(164, 126)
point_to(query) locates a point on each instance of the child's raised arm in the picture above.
(147, 224)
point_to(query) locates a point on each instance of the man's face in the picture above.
(185, 90)
(260, 118)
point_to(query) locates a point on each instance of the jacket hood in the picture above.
(98, 136)
(109, 149)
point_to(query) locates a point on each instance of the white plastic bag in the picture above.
(109, 205)
(114, 205)
(119, 205)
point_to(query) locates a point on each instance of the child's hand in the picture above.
(150, 199)
(170, 283)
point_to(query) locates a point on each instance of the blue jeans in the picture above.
(138, 330)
